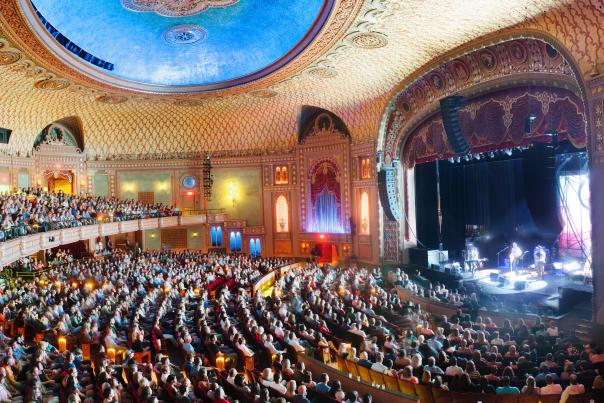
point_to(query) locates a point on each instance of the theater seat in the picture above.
(441, 396)
(377, 377)
(406, 387)
(424, 392)
(538, 398)
(352, 368)
(364, 373)
(391, 383)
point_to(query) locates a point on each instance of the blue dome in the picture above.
(219, 44)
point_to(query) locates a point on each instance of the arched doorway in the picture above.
(60, 181)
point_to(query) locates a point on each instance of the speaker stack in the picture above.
(449, 109)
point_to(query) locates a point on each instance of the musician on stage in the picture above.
(515, 255)
(540, 257)
(472, 257)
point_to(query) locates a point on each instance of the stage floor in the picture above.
(548, 285)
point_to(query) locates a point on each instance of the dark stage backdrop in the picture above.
(509, 199)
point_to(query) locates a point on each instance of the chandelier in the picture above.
(175, 8)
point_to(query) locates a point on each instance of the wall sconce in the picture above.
(194, 234)
(220, 361)
(152, 235)
(233, 193)
(304, 246)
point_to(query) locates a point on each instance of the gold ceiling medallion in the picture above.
(112, 99)
(9, 57)
(367, 40)
(322, 72)
(263, 93)
(53, 84)
(188, 102)
(175, 8)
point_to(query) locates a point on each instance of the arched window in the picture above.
(282, 214)
(216, 236)
(278, 175)
(284, 175)
(364, 213)
(281, 176)
(235, 241)
(365, 174)
(254, 247)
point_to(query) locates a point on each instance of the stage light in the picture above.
(508, 152)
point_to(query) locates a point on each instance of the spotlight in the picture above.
(492, 154)
(508, 152)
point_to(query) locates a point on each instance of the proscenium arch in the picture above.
(468, 48)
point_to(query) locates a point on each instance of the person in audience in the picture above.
(322, 386)
(505, 388)
(378, 365)
(550, 387)
(574, 388)
(530, 388)
(300, 397)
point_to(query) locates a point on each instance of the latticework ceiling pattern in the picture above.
(355, 79)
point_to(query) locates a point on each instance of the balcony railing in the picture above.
(59, 234)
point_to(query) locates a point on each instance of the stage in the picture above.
(557, 290)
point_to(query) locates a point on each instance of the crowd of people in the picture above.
(179, 327)
(33, 210)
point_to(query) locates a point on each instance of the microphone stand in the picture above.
(499, 253)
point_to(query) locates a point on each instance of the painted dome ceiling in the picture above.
(177, 45)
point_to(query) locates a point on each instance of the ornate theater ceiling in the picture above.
(356, 62)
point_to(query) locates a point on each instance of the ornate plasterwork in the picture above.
(174, 8)
(515, 58)
(185, 34)
(419, 38)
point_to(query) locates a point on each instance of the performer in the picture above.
(473, 257)
(515, 255)
(540, 256)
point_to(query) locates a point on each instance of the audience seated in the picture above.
(34, 210)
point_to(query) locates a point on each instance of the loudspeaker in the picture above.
(449, 109)
(388, 193)
(427, 258)
(5, 135)
(520, 285)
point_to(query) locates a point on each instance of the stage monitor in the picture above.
(449, 109)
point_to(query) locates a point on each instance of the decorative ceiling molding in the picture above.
(175, 8)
